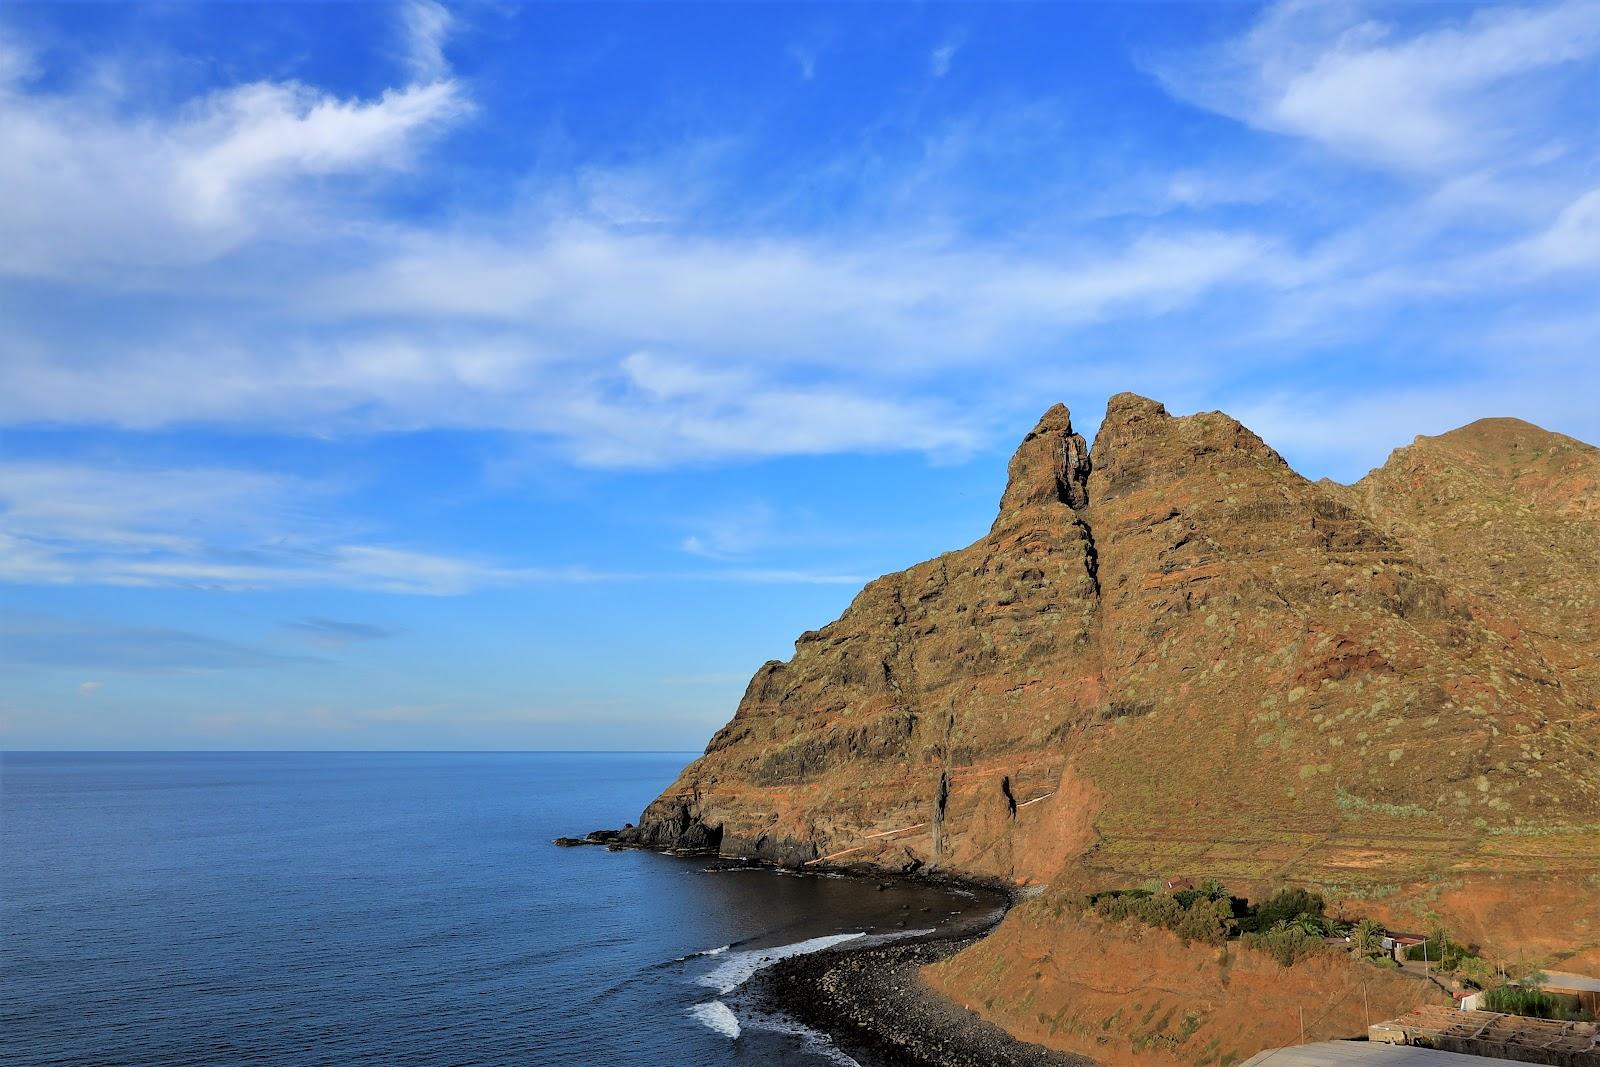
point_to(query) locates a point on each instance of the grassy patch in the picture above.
(1351, 802)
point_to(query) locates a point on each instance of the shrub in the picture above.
(1202, 919)
(1440, 950)
(1206, 921)
(1477, 970)
(1161, 911)
(1286, 942)
(1284, 906)
(1515, 1000)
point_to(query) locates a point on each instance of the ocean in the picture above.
(397, 908)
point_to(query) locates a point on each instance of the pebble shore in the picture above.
(875, 1006)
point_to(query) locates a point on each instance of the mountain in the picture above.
(1173, 656)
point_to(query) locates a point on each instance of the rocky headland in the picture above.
(1173, 657)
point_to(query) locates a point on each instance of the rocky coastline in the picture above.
(874, 1005)
(871, 1000)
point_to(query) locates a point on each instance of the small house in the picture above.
(1396, 944)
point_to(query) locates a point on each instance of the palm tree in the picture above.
(1307, 923)
(1367, 938)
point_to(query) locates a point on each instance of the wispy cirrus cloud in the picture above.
(426, 26)
(64, 523)
(1420, 98)
(1570, 242)
(232, 529)
(805, 60)
(337, 633)
(640, 350)
(941, 57)
(732, 532)
(43, 640)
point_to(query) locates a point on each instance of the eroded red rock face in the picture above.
(1173, 655)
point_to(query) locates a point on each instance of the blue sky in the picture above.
(410, 376)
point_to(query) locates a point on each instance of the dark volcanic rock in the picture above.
(874, 1003)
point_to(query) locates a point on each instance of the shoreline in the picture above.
(870, 1000)
(872, 1003)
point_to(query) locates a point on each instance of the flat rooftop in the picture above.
(1534, 1039)
(1568, 980)
(1367, 1054)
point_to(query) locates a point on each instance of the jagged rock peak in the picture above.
(1126, 409)
(1051, 466)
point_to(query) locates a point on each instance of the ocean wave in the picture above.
(815, 1041)
(736, 970)
(686, 957)
(718, 1016)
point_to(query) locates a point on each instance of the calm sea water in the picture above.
(337, 908)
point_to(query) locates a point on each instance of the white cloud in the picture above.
(805, 59)
(629, 323)
(601, 320)
(95, 185)
(245, 138)
(1349, 434)
(1418, 99)
(906, 299)
(219, 528)
(230, 529)
(427, 25)
(940, 58)
(733, 531)
(638, 350)
(114, 508)
(1571, 241)
(17, 63)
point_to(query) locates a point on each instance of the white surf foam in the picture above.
(815, 1041)
(718, 1016)
(736, 970)
(703, 952)
(896, 935)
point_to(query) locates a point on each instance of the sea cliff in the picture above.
(1172, 656)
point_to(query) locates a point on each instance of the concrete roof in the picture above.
(1366, 1054)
